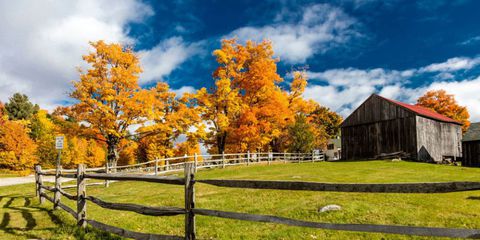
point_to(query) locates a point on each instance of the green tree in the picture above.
(19, 107)
(302, 138)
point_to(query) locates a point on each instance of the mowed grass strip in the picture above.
(452, 210)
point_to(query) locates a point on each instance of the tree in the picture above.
(109, 98)
(443, 103)
(43, 133)
(327, 119)
(17, 149)
(302, 138)
(171, 118)
(20, 108)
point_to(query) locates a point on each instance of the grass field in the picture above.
(21, 216)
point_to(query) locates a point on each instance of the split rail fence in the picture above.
(81, 174)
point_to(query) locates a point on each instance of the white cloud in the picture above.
(42, 43)
(472, 40)
(345, 89)
(321, 28)
(185, 89)
(452, 64)
(161, 60)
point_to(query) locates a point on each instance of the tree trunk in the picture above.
(112, 152)
(221, 140)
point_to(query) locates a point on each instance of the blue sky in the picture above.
(350, 48)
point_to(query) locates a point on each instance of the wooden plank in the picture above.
(48, 188)
(145, 210)
(391, 229)
(130, 234)
(81, 194)
(67, 195)
(67, 209)
(348, 187)
(189, 202)
(144, 178)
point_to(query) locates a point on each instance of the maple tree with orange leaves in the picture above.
(443, 103)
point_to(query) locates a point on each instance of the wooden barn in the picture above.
(381, 126)
(471, 146)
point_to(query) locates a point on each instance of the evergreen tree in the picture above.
(20, 108)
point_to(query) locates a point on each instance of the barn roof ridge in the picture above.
(422, 111)
(473, 133)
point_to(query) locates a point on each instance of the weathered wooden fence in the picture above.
(189, 210)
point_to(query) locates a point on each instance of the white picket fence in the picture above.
(177, 164)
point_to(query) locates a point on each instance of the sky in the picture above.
(350, 48)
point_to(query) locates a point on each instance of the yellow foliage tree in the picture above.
(17, 149)
(442, 102)
(109, 97)
(171, 118)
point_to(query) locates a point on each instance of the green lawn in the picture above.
(21, 217)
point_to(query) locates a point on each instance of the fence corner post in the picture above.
(82, 194)
(189, 201)
(58, 186)
(156, 167)
(223, 159)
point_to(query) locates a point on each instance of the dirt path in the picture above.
(26, 179)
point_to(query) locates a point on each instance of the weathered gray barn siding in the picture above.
(437, 139)
(471, 146)
(378, 126)
(471, 154)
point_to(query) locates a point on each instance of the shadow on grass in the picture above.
(473, 198)
(61, 227)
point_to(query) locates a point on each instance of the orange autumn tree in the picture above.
(246, 108)
(17, 149)
(442, 102)
(172, 117)
(222, 104)
(109, 97)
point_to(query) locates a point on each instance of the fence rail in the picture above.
(189, 211)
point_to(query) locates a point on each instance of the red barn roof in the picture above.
(422, 111)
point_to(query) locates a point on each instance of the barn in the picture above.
(381, 126)
(471, 146)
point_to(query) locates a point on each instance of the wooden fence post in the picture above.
(285, 156)
(313, 155)
(223, 159)
(156, 167)
(195, 162)
(269, 157)
(40, 183)
(248, 158)
(82, 194)
(189, 201)
(107, 183)
(167, 165)
(58, 186)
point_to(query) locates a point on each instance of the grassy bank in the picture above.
(22, 217)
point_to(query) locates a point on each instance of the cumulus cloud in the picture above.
(345, 89)
(320, 28)
(452, 64)
(42, 43)
(161, 60)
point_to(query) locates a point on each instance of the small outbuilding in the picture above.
(381, 126)
(471, 146)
